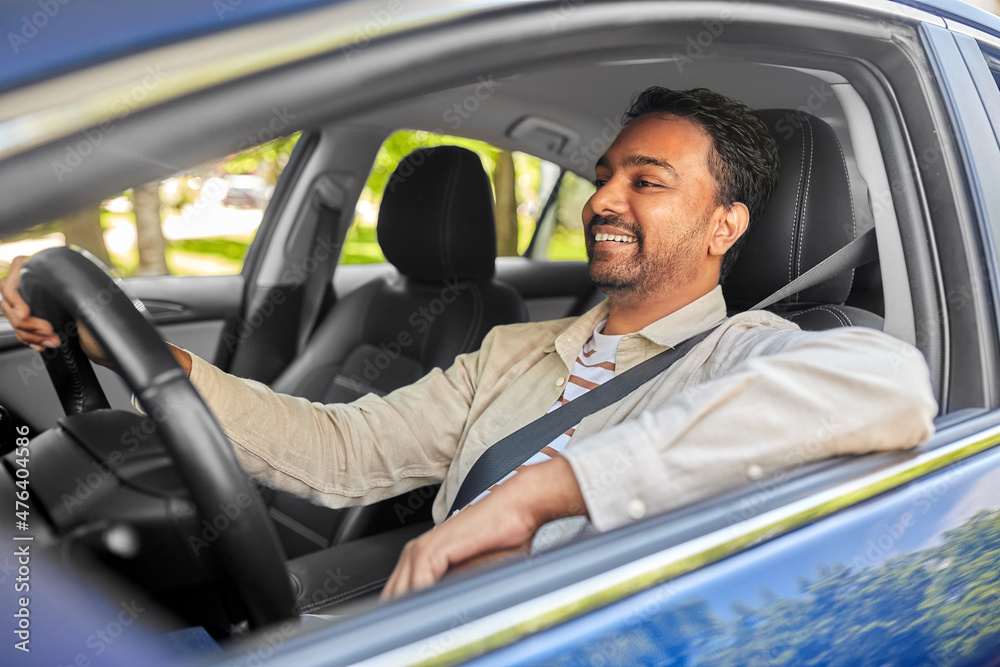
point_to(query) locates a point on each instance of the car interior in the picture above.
(853, 153)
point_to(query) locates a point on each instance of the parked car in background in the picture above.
(246, 191)
(142, 539)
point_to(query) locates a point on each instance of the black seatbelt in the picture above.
(507, 454)
(858, 252)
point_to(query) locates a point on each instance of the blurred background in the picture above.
(201, 222)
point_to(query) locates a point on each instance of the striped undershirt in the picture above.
(595, 364)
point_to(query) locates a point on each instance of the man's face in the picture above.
(654, 192)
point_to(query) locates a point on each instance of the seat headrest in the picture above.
(815, 210)
(436, 218)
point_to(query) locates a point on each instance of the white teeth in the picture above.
(615, 237)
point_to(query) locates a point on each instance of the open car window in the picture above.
(199, 221)
(536, 203)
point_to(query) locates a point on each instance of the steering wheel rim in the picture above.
(65, 286)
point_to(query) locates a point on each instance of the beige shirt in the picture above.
(757, 396)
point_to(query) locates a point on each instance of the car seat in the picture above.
(436, 227)
(820, 205)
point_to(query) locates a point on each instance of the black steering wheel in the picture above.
(62, 286)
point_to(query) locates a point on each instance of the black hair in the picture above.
(745, 160)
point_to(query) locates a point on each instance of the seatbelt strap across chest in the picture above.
(510, 452)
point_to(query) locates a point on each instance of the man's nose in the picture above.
(608, 199)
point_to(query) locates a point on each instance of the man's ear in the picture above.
(729, 226)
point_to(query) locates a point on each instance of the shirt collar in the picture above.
(701, 314)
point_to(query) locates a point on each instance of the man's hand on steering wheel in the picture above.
(38, 334)
(35, 332)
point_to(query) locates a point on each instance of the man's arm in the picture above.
(501, 524)
(344, 454)
(335, 455)
(798, 397)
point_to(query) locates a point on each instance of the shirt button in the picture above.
(754, 471)
(636, 509)
(560, 382)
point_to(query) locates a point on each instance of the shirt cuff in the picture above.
(614, 480)
(206, 378)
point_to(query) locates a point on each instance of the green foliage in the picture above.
(273, 156)
(361, 246)
(226, 248)
(402, 143)
(567, 244)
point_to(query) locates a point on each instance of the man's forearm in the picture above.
(500, 525)
(547, 491)
(845, 391)
(182, 357)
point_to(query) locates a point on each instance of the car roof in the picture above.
(102, 30)
(49, 37)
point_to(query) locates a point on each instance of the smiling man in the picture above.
(676, 192)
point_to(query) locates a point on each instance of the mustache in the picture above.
(618, 221)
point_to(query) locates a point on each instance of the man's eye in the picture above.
(599, 182)
(647, 184)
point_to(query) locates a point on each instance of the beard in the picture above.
(645, 270)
